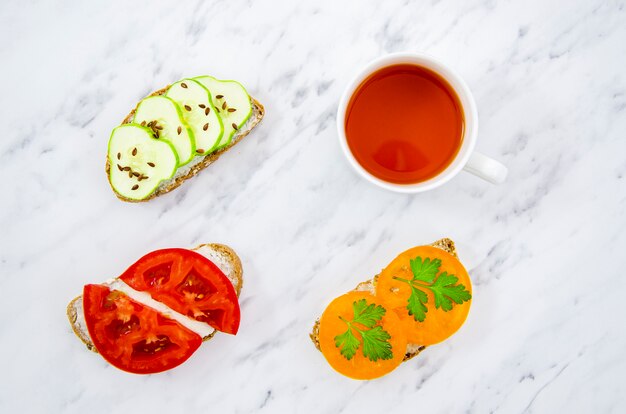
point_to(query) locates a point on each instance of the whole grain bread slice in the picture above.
(412, 350)
(198, 163)
(223, 256)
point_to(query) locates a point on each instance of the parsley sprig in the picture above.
(444, 288)
(375, 340)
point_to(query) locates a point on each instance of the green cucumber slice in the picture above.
(232, 102)
(198, 111)
(138, 162)
(165, 118)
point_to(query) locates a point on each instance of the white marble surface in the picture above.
(546, 251)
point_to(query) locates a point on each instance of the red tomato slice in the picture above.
(134, 337)
(188, 283)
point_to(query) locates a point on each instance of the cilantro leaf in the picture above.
(375, 344)
(445, 292)
(424, 270)
(374, 338)
(443, 287)
(366, 314)
(348, 343)
(417, 304)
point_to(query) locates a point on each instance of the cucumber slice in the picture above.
(138, 162)
(195, 102)
(165, 118)
(232, 102)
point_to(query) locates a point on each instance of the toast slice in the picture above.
(412, 350)
(221, 255)
(198, 163)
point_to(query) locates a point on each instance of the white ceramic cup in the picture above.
(466, 158)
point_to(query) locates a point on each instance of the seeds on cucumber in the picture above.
(138, 150)
(196, 100)
(234, 102)
(163, 116)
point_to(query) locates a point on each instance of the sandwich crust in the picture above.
(258, 111)
(412, 350)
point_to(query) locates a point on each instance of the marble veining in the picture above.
(545, 250)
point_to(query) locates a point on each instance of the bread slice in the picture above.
(198, 163)
(412, 350)
(223, 256)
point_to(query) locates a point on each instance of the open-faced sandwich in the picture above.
(176, 132)
(421, 298)
(159, 311)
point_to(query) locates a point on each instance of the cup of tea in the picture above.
(408, 123)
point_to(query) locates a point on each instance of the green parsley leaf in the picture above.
(375, 344)
(417, 304)
(445, 292)
(348, 343)
(424, 270)
(444, 288)
(366, 314)
(375, 340)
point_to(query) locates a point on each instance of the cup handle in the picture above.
(486, 168)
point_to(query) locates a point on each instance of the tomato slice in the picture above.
(333, 325)
(134, 337)
(438, 324)
(188, 283)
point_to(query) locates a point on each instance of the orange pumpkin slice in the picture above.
(360, 337)
(428, 318)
